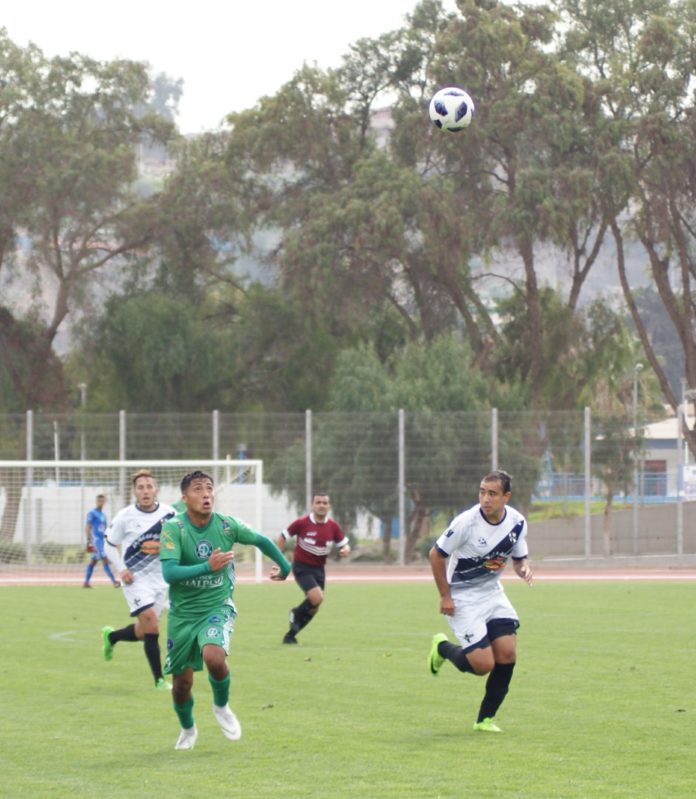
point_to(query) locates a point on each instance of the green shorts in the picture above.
(186, 638)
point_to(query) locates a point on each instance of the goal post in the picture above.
(44, 506)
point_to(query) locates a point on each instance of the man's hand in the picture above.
(523, 570)
(219, 559)
(276, 574)
(90, 547)
(126, 576)
(344, 551)
(446, 606)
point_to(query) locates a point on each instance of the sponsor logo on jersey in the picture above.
(496, 563)
(204, 549)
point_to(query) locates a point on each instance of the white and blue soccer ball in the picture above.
(451, 109)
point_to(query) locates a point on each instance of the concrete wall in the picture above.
(657, 533)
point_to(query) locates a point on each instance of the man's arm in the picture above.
(174, 572)
(248, 536)
(438, 564)
(342, 542)
(523, 569)
(114, 557)
(270, 550)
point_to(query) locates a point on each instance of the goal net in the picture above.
(44, 507)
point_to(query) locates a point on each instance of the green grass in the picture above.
(602, 703)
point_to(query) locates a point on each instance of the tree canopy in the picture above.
(331, 223)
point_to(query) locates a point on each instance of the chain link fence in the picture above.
(591, 484)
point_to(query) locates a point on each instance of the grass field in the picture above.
(602, 704)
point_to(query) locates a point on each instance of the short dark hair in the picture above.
(197, 474)
(101, 496)
(499, 476)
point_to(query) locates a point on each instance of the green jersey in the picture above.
(182, 541)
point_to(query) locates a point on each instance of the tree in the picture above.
(150, 352)
(639, 54)
(447, 435)
(68, 137)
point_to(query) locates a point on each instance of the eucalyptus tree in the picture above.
(69, 134)
(640, 56)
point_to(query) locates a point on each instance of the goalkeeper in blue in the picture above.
(466, 561)
(197, 562)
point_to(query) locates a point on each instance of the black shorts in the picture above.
(308, 577)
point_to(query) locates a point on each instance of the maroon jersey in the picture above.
(314, 539)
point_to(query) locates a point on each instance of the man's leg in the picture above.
(498, 683)
(147, 630)
(301, 615)
(182, 697)
(88, 573)
(215, 659)
(109, 573)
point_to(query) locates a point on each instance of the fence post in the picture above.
(494, 439)
(122, 457)
(588, 484)
(680, 479)
(216, 443)
(29, 506)
(308, 459)
(402, 488)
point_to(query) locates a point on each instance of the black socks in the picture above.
(496, 688)
(152, 653)
(456, 655)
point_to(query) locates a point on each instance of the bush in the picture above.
(11, 552)
(51, 552)
(425, 545)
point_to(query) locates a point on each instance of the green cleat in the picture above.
(435, 659)
(163, 685)
(107, 646)
(487, 725)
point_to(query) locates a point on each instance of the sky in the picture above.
(229, 53)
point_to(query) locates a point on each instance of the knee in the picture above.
(215, 662)
(181, 689)
(482, 662)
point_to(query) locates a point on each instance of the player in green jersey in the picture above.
(196, 554)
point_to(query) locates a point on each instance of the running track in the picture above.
(388, 574)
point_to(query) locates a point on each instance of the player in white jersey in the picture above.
(132, 544)
(466, 561)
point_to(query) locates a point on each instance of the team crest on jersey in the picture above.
(204, 549)
(482, 542)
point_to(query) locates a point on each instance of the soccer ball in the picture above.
(451, 109)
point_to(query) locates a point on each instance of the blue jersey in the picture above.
(96, 519)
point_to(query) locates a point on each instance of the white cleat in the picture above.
(231, 728)
(187, 738)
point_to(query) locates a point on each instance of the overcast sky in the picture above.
(229, 52)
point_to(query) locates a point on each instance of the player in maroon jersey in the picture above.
(315, 534)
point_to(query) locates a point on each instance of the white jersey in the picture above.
(137, 532)
(477, 550)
